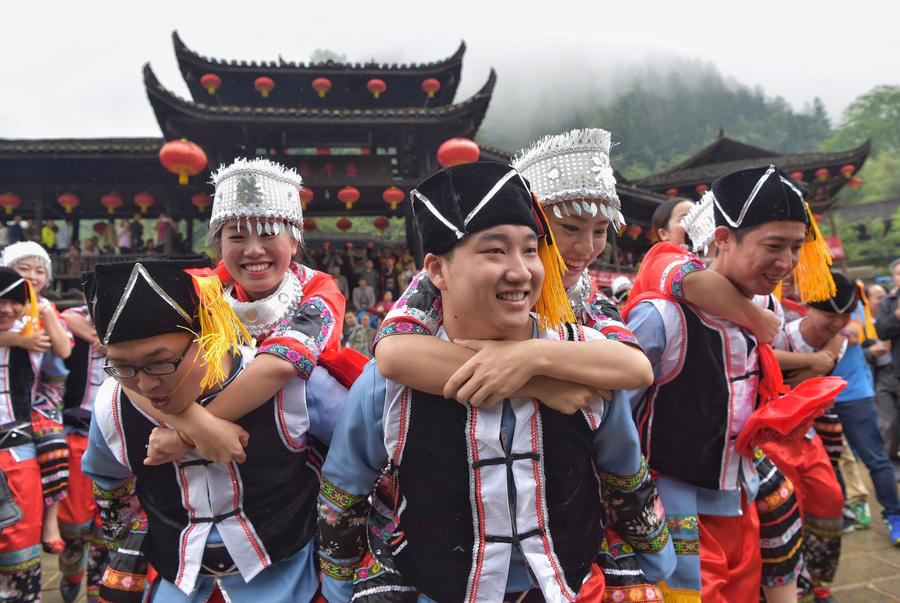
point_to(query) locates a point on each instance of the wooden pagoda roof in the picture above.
(293, 81)
(726, 155)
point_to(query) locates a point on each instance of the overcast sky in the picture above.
(73, 69)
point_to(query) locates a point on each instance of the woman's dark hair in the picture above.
(663, 214)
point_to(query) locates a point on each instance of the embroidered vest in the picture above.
(264, 509)
(688, 420)
(458, 486)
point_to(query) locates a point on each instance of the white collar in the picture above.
(263, 315)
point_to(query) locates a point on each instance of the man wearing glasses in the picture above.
(245, 529)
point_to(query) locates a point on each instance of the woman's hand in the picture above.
(165, 446)
(36, 342)
(216, 439)
(496, 371)
(766, 326)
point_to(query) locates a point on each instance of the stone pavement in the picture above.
(869, 570)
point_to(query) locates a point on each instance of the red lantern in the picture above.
(182, 157)
(393, 196)
(634, 231)
(201, 201)
(264, 85)
(701, 188)
(798, 176)
(381, 224)
(457, 151)
(9, 202)
(822, 174)
(321, 85)
(144, 200)
(348, 196)
(344, 224)
(855, 182)
(376, 87)
(211, 82)
(671, 192)
(69, 201)
(111, 202)
(100, 228)
(430, 86)
(309, 225)
(306, 196)
(848, 170)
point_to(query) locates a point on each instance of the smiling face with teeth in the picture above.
(758, 258)
(580, 239)
(256, 261)
(489, 283)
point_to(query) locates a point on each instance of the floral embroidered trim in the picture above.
(686, 547)
(399, 327)
(646, 593)
(625, 482)
(684, 270)
(337, 571)
(682, 523)
(126, 489)
(301, 363)
(653, 545)
(337, 496)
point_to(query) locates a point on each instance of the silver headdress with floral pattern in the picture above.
(260, 189)
(571, 174)
(700, 223)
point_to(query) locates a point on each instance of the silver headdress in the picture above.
(571, 174)
(700, 223)
(259, 189)
(27, 249)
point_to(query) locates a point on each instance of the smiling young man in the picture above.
(245, 529)
(480, 503)
(706, 385)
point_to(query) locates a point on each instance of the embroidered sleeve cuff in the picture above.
(338, 497)
(298, 356)
(675, 278)
(400, 326)
(625, 483)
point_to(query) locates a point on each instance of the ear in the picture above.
(662, 234)
(724, 238)
(434, 266)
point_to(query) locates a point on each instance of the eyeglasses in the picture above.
(155, 369)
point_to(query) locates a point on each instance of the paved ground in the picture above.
(869, 570)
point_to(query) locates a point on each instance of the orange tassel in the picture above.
(553, 306)
(812, 276)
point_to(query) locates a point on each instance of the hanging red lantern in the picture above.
(348, 196)
(201, 201)
(264, 85)
(111, 202)
(306, 196)
(457, 151)
(344, 224)
(393, 196)
(69, 201)
(798, 176)
(701, 189)
(855, 182)
(381, 224)
(9, 202)
(847, 170)
(144, 200)
(211, 82)
(100, 228)
(822, 174)
(376, 87)
(309, 225)
(182, 157)
(634, 231)
(671, 192)
(321, 85)
(430, 86)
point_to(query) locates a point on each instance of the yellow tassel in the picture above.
(553, 306)
(812, 277)
(33, 318)
(867, 329)
(679, 595)
(221, 332)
